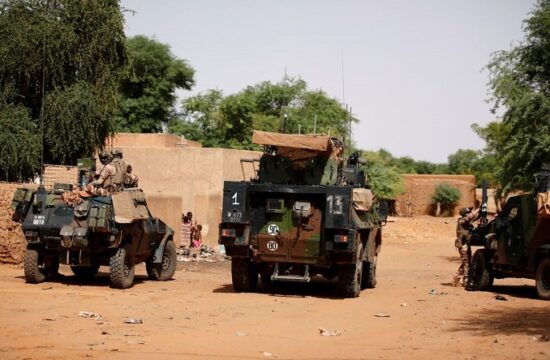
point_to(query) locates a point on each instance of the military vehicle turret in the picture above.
(306, 213)
(516, 243)
(63, 227)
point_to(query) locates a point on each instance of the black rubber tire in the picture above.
(165, 270)
(543, 279)
(266, 278)
(52, 265)
(34, 267)
(480, 276)
(349, 276)
(244, 275)
(85, 272)
(121, 269)
(368, 279)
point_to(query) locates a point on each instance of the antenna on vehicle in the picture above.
(350, 118)
(42, 112)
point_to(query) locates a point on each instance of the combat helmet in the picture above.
(117, 153)
(464, 211)
(105, 156)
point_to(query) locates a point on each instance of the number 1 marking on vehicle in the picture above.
(235, 202)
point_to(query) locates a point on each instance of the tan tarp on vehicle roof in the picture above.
(295, 141)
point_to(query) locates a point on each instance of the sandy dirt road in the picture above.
(198, 316)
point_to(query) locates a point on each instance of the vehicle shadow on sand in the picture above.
(101, 279)
(525, 321)
(318, 287)
(516, 291)
(451, 259)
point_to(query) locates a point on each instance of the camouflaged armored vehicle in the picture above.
(116, 231)
(516, 243)
(307, 213)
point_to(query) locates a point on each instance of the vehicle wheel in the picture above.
(165, 270)
(121, 269)
(266, 278)
(85, 272)
(244, 275)
(368, 279)
(479, 275)
(349, 276)
(51, 264)
(34, 267)
(543, 279)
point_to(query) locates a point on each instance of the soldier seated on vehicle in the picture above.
(124, 170)
(463, 227)
(105, 183)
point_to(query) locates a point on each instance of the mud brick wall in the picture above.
(12, 240)
(60, 174)
(419, 190)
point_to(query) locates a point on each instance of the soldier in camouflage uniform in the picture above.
(124, 170)
(105, 183)
(463, 226)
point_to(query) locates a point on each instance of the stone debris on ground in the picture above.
(500, 298)
(204, 253)
(325, 332)
(133, 321)
(88, 314)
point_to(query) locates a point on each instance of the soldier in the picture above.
(104, 183)
(124, 170)
(463, 226)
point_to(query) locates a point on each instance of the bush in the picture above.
(445, 198)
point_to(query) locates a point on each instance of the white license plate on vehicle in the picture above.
(39, 219)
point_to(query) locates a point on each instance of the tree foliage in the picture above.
(19, 143)
(520, 85)
(148, 87)
(383, 177)
(75, 51)
(445, 197)
(220, 121)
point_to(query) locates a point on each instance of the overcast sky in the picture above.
(412, 70)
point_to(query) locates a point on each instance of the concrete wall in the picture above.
(194, 174)
(419, 190)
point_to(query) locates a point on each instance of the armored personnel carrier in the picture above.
(516, 243)
(306, 213)
(85, 232)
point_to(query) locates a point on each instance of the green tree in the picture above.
(200, 119)
(383, 177)
(19, 143)
(73, 50)
(463, 161)
(228, 121)
(148, 87)
(520, 85)
(445, 198)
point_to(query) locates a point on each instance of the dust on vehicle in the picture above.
(306, 213)
(85, 232)
(516, 243)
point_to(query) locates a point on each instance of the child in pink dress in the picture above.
(197, 237)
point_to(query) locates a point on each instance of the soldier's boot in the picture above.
(456, 281)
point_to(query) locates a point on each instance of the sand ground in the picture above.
(412, 314)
